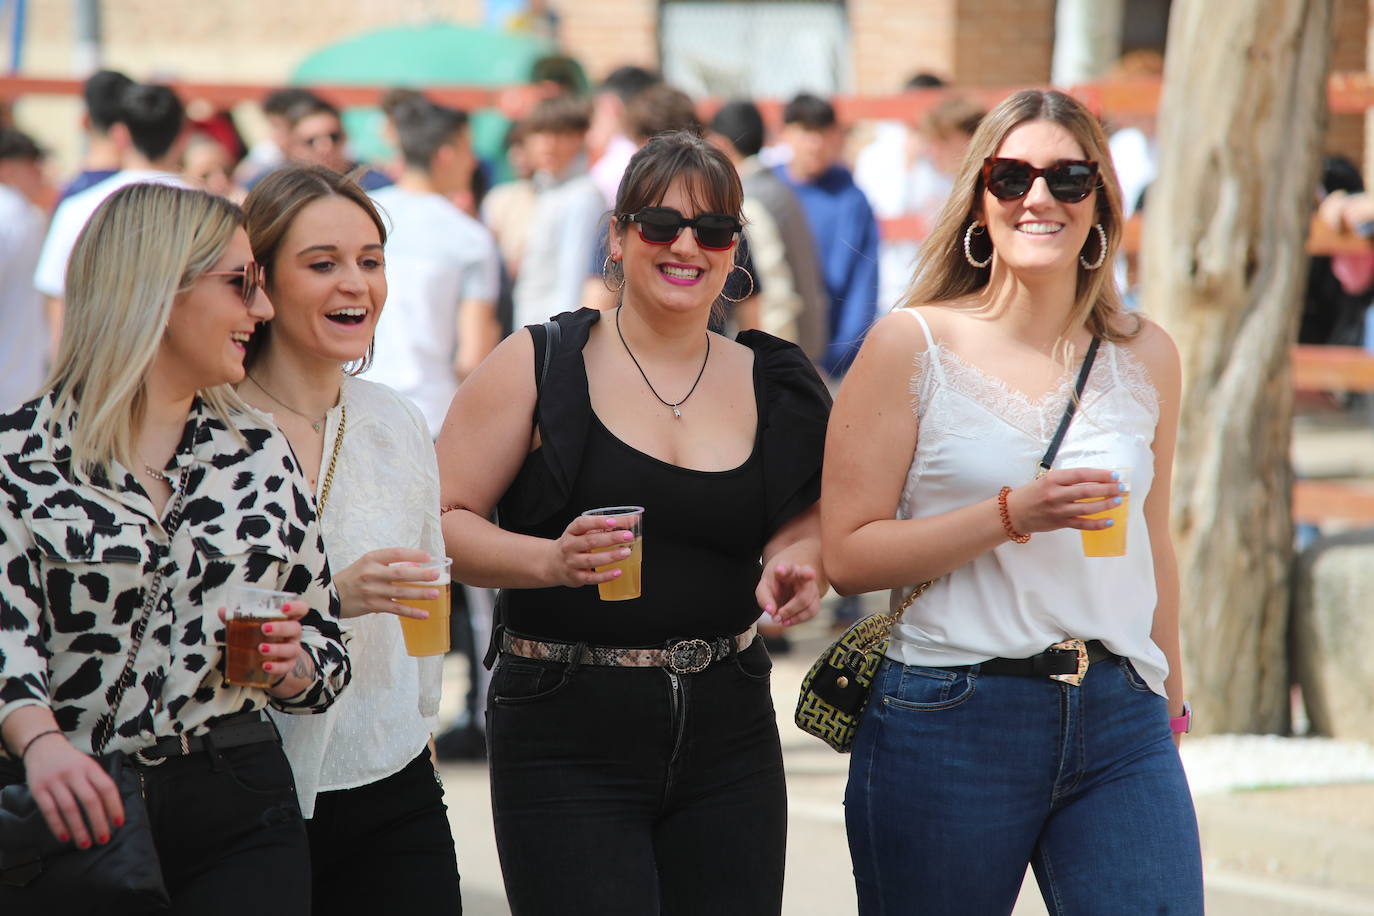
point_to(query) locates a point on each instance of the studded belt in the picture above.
(681, 656)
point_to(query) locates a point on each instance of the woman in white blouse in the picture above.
(133, 489)
(1031, 700)
(379, 833)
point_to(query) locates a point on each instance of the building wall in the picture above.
(1350, 23)
(1003, 42)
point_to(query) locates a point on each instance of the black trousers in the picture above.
(229, 831)
(635, 791)
(385, 847)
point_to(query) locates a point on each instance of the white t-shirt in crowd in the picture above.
(437, 257)
(71, 217)
(24, 341)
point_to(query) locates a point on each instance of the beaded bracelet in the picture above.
(444, 510)
(1012, 533)
(28, 744)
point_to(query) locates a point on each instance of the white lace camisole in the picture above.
(976, 435)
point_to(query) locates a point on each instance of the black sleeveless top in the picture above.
(704, 531)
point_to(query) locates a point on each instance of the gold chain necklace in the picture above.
(314, 424)
(333, 457)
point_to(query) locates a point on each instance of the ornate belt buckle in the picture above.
(688, 656)
(1073, 645)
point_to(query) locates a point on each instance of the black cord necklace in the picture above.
(676, 413)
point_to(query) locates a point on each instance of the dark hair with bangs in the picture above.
(712, 182)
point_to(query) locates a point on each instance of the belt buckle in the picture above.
(1073, 645)
(688, 656)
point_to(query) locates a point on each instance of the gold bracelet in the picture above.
(1012, 533)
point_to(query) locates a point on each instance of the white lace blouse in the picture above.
(385, 493)
(977, 434)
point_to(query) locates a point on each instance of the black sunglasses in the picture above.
(249, 278)
(1069, 180)
(662, 225)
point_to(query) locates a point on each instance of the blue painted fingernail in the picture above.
(1115, 476)
(1111, 522)
(1123, 488)
(1116, 501)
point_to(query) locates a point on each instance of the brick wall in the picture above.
(1350, 23)
(1004, 42)
(605, 34)
(894, 39)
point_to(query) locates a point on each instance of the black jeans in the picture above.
(385, 847)
(636, 791)
(229, 832)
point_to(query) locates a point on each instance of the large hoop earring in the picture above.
(606, 272)
(751, 285)
(974, 228)
(1101, 250)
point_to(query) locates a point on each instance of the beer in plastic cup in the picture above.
(1110, 542)
(431, 636)
(626, 585)
(246, 610)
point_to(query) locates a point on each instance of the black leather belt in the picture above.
(229, 731)
(683, 656)
(1062, 661)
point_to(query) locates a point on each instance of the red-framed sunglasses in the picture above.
(662, 226)
(251, 277)
(1069, 180)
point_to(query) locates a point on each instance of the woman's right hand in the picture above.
(571, 561)
(65, 782)
(371, 585)
(1056, 500)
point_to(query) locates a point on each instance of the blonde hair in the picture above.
(144, 245)
(943, 274)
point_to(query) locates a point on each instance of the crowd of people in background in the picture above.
(443, 357)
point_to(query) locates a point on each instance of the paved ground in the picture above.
(1268, 851)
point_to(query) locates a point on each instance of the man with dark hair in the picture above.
(658, 110)
(24, 342)
(841, 221)
(793, 304)
(155, 120)
(608, 139)
(562, 231)
(316, 136)
(270, 152)
(107, 139)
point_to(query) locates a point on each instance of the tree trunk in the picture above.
(1241, 123)
(1087, 39)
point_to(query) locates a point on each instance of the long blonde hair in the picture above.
(943, 274)
(143, 246)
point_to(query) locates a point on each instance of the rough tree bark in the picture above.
(1241, 123)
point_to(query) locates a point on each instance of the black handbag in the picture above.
(835, 691)
(38, 873)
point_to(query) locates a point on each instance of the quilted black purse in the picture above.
(835, 691)
(39, 874)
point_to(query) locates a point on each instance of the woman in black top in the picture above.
(641, 782)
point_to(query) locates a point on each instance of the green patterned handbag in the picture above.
(835, 690)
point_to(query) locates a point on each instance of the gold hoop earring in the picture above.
(751, 285)
(606, 272)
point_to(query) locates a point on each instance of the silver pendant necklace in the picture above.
(674, 406)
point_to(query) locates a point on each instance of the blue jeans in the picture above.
(959, 779)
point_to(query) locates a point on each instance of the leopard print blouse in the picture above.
(76, 558)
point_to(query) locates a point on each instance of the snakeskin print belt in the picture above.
(683, 656)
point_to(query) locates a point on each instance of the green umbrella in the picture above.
(438, 54)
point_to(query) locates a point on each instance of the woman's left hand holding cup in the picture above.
(282, 656)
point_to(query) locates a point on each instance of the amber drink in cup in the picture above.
(1110, 542)
(626, 585)
(430, 636)
(247, 609)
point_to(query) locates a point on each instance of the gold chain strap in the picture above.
(895, 617)
(334, 459)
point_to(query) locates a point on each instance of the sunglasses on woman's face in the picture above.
(251, 277)
(1069, 180)
(662, 225)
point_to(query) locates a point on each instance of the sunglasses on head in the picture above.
(251, 277)
(1069, 180)
(662, 225)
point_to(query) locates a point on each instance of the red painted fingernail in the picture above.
(119, 822)
(102, 839)
(63, 838)
(264, 648)
(267, 666)
(267, 628)
(84, 844)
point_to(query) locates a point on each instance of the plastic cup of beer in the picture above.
(1110, 542)
(626, 585)
(429, 636)
(246, 610)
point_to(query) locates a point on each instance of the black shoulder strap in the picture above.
(548, 342)
(1069, 409)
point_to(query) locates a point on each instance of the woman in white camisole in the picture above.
(971, 761)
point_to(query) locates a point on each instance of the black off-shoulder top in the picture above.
(704, 531)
